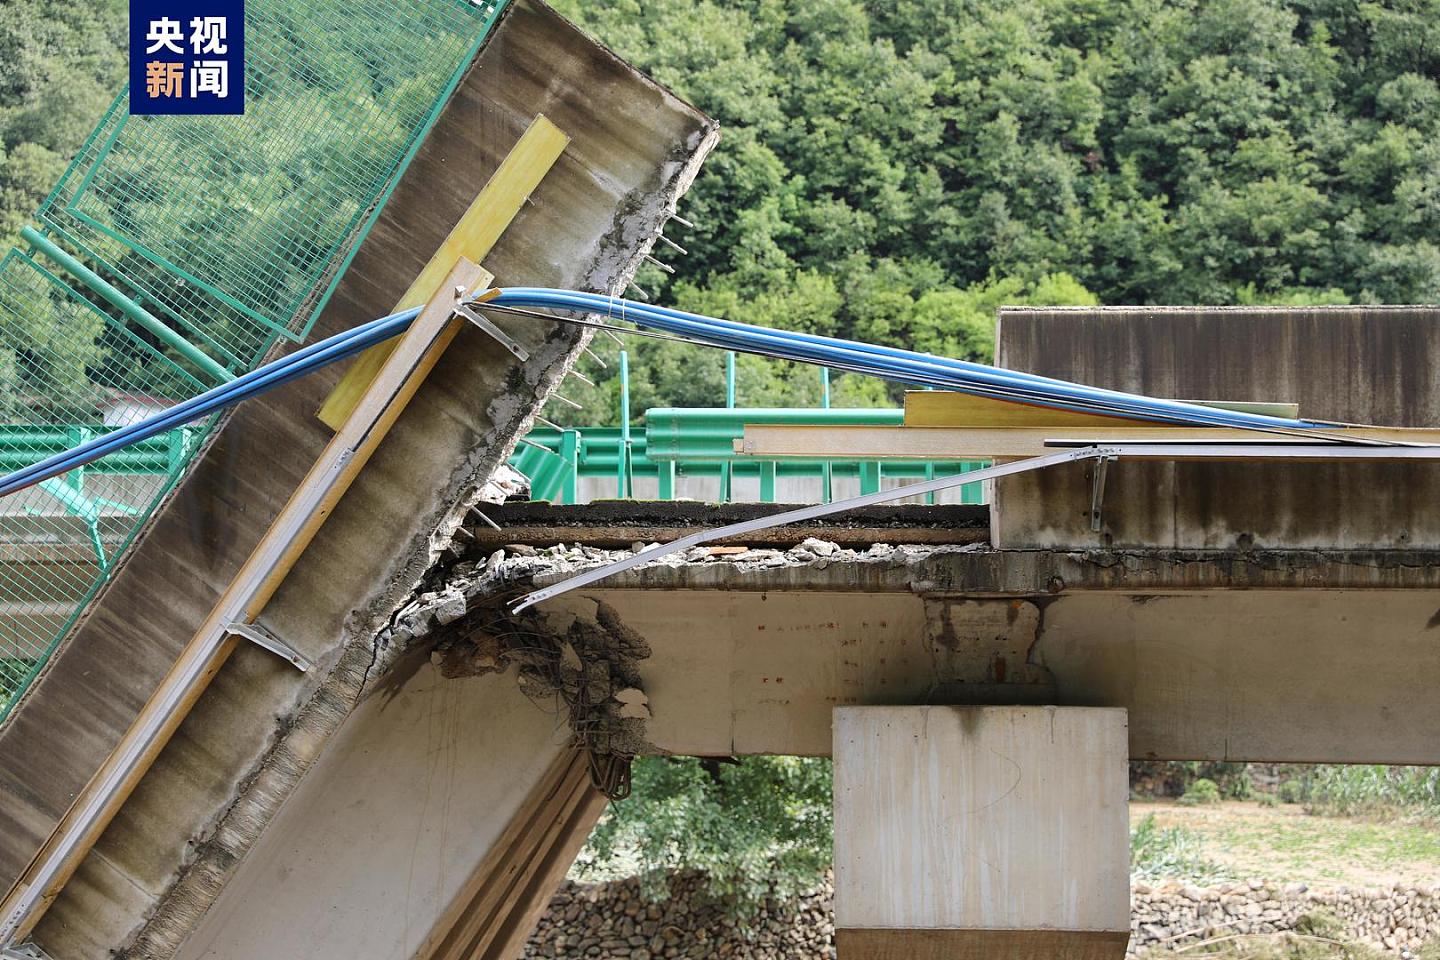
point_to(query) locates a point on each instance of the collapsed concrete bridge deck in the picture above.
(417, 792)
(1274, 655)
(1266, 655)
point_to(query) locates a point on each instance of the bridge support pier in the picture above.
(981, 832)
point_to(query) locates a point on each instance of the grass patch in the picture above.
(1158, 853)
(1284, 843)
(1374, 791)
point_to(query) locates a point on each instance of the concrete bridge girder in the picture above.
(1333, 676)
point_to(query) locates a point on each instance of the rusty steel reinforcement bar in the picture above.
(1241, 451)
(809, 513)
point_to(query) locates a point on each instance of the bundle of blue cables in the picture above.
(889, 363)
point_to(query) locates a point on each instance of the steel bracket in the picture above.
(1097, 492)
(466, 312)
(22, 951)
(261, 637)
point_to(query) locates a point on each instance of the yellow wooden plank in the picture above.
(472, 238)
(252, 587)
(946, 408)
(857, 442)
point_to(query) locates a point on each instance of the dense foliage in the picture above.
(754, 827)
(60, 66)
(890, 171)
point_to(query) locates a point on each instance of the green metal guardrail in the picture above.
(698, 442)
(176, 250)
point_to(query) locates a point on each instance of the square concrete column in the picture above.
(981, 832)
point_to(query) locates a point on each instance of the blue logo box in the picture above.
(187, 57)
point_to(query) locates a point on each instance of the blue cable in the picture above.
(897, 364)
(273, 374)
(887, 362)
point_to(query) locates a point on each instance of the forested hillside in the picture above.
(890, 171)
(894, 171)
(61, 64)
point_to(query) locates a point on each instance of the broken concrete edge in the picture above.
(975, 568)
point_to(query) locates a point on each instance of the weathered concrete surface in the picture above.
(986, 832)
(620, 523)
(1352, 364)
(383, 833)
(634, 150)
(1267, 657)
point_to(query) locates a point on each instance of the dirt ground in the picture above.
(1283, 843)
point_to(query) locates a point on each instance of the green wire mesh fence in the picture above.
(174, 252)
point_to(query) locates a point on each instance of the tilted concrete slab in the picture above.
(634, 150)
(379, 839)
(1350, 364)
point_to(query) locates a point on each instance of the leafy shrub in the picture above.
(1158, 853)
(1374, 790)
(1240, 786)
(1202, 791)
(1267, 800)
(755, 827)
(1291, 791)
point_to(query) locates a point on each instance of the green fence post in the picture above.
(726, 471)
(667, 479)
(825, 404)
(869, 477)
(570, 453)
(767, 481)
(624, 477)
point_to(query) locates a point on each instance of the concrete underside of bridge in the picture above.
(1275, 656)
(1315, 657)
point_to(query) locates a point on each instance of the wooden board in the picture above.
(504, 896)
(296, 525)
(782, 442)
(946, 408)
(472, 238)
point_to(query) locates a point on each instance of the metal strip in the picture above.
(809, 513)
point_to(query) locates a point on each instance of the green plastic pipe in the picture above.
(727, 473)
(622, 467)
(825, 492)
(125, 305)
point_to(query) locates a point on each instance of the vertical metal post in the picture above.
(623, 477)
(767, 481)
(869, 477)
(825, 493)
(570, 453)
(726, 469)
(667, 479)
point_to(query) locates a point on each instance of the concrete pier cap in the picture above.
(981, 832)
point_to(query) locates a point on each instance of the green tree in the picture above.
(755, 827)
